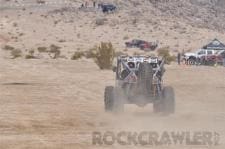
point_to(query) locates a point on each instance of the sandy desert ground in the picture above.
(59, 103)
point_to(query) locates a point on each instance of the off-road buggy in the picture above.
(139, 81)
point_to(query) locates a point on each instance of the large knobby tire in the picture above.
(145, 78)
(109, 98)
(113, 100)
(166, 102)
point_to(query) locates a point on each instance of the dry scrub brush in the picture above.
(30, 54)
(165, 53)
(77, 55)
(55, 50)
(8, 48)
(16, 53)
(103, 55)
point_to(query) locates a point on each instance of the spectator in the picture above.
(224, 61)
(183, 52)
(99, 6)
(94, 4)
(178, 58)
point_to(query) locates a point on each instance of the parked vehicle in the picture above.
(143, 45)
(196, 57)
(213, 59)
(139, 81)
(108, 8)
(134, 43)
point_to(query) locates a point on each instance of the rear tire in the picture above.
(113, 100)
(166, 102)
(109, 98)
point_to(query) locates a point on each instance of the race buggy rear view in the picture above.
(139, 81)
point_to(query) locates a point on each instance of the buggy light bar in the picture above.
(140, 59)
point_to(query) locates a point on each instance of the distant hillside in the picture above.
(179, 24)
(200, 13)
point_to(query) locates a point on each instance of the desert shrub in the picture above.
(100, 21)
(8, 47)
(90, 53)
(55, 50)
(29, 56)
(104, 55)
(42, 49)
(125, 37)
(21, 34)
(77, 55)
(14, 37)
(31, 52)
(134, 21)
(165, 53)
(119, 53)
(62, 40)
(15, 24)
(56, 22)
(16, 53)
(40, 1)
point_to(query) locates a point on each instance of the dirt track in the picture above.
(58, 104)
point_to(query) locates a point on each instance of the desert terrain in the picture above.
(58, 103)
